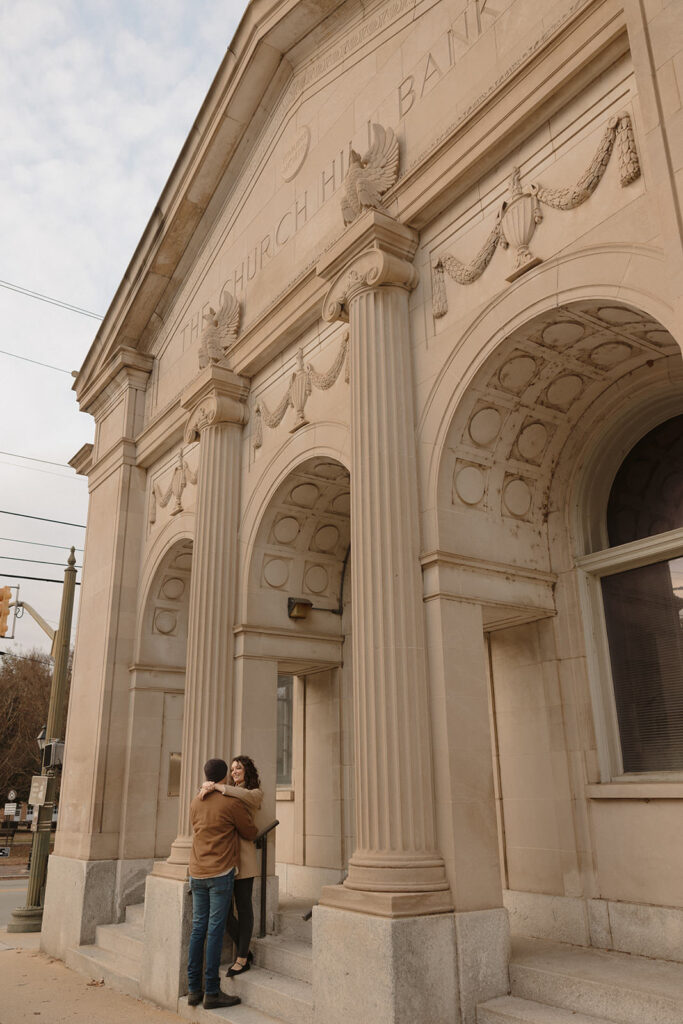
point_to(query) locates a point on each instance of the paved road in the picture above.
(12, 894)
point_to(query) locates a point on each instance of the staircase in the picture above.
(116, 955)
(277, 989)
(554, 983)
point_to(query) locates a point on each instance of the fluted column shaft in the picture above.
(216, 401)
(396, 859)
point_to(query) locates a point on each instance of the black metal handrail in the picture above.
(261, 843)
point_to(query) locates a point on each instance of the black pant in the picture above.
(241, 927)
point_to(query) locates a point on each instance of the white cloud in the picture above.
(96, 99)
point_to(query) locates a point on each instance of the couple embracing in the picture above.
(222, 865)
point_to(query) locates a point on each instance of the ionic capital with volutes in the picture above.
(375, 251)
(216, 395)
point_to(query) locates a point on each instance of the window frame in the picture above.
(591, 569)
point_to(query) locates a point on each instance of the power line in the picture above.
(42, 519)
(46, 298)
(32, 458)
(37, 543)
(48, 472)
(36, 579)
(35, 362)
(33, 561)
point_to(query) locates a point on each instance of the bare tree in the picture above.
(25, 682)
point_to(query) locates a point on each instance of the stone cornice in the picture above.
(82, 460)
(126, 367)
(216, 395)
(376, 250)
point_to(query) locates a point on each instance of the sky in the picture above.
(96, 99)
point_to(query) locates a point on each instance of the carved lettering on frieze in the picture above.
(370, 176)
(519, 215)
(301, 385)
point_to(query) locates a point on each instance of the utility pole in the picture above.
(30, 917)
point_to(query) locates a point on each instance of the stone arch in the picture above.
(157, 687)
(323, 442)
(607, 275)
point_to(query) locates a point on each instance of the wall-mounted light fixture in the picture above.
(298, 607)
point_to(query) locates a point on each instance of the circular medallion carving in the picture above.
(276, 572)
(326, 537)
(295, 153)
(172, 589)
(563, 333)
(516, 373)
(342, 504)
(165, 622)
(484, 426)
(659, 337)
(470, 484)
(330, 470)
(305, 495)
(286, 529)
(531, 441)
(565, 390)
(610, 354)
(517, 497)
(316, 579)
(618, 315)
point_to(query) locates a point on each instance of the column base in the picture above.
(26, 919)
(181, 847)
(387, 904)
(403, 970)
(166, 869)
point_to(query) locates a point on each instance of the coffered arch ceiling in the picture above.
(303, 541)
(528, 399)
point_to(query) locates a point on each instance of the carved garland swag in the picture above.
(519, 215)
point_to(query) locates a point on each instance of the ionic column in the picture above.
(396, 869)
(215, 401)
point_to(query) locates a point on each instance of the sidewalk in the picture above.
(35, 985)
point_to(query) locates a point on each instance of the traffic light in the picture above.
(5, 598)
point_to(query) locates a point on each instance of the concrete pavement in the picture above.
(34, 986)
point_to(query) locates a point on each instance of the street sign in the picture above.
(4, 851)
(38, 790)
(10, 810)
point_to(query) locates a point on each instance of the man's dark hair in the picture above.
(215, 769)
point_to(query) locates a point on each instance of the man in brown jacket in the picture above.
(217, 823)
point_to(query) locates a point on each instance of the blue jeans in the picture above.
(211, 899)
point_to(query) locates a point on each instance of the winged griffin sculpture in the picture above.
(369, 176)
(220, 331)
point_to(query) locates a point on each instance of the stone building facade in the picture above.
(385, 492)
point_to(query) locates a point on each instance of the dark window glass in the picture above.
(647, 493)
(643, 612)
(285, 692)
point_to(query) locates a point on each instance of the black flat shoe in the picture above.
(241, 969)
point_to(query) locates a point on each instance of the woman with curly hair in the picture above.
(246, 787)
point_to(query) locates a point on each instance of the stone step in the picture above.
(241, 1014)
(289, 919)
(135, 914)
(125, 938)
(615, 987)
(118, 972)
(287, 998)
(511, 1010)
(284, 955)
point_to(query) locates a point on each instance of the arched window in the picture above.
(640, 580)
